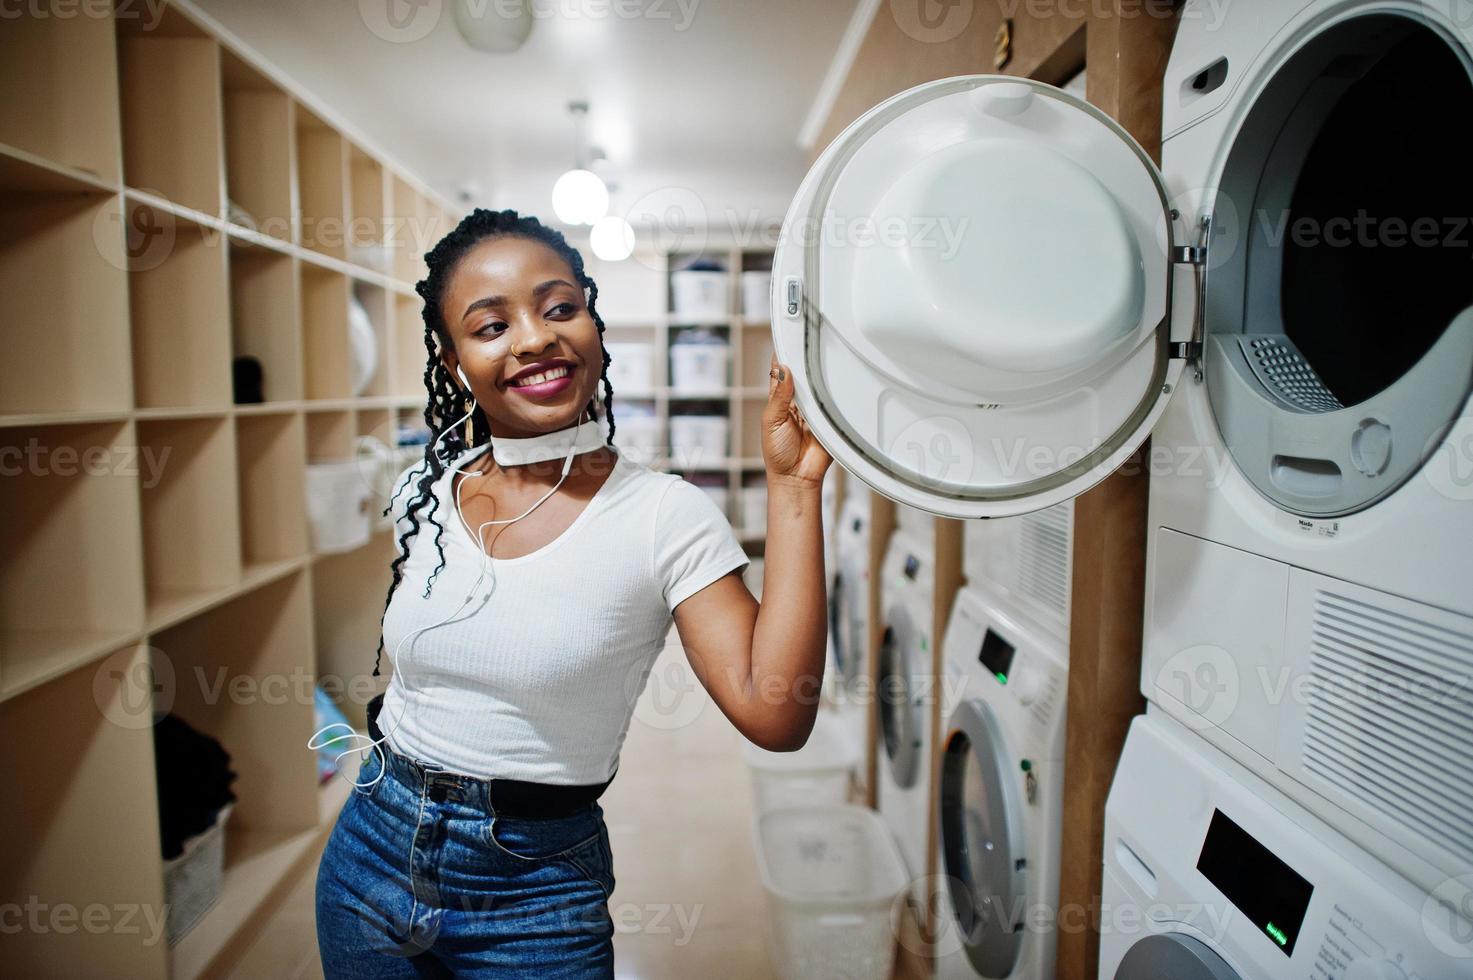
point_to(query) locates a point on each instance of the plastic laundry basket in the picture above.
(833, 876)
(815, 775)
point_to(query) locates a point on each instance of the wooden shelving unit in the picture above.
(169, 202)
(640, 309)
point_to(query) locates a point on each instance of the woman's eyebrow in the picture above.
(537, 290)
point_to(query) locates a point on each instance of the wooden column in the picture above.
(1125, 61)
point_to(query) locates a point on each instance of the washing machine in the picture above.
(1025, 561)
(1000, 794)
(1045, 298)
(905, 690)
(1210, 873)
(848, 692)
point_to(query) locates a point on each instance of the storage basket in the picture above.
(832, 875)
(192, 881)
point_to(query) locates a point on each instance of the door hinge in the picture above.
(1196, 257)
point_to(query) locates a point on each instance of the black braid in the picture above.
(445, 404)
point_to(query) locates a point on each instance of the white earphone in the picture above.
(317, 741)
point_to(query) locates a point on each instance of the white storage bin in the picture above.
(698, 439)
(192, 881)
(339, 500)
(754, 505)
(631, 367)
(698, 362)
(756, 294)
(700, 294)
(832, 875)
(815, 775)
(637, 431)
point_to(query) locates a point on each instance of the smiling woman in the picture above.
(474, 844)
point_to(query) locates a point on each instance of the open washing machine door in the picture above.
(982, 840)
(973, 289)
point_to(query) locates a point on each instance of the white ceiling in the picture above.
(698, 103)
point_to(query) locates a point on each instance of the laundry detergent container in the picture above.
(833, 876)
(817, 774)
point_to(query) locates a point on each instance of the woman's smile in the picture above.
(543, 380)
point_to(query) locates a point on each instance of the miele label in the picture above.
(1314, 528)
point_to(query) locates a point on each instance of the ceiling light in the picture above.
(498, 27)
(612, 238)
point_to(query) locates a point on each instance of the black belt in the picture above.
(513, 797)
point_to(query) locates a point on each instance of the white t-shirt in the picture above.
(539, 681)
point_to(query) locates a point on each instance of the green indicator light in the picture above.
(1001, 677)
(1026, 764)
(1277, 934)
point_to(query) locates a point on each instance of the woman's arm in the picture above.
(763, 663)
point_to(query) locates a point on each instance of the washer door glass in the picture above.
(972, 289)
(982, 842)
(900, 717)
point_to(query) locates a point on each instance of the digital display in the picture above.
(996, 656)
(1271, 894)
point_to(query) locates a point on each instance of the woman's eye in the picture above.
(496, 327)
(562, 309)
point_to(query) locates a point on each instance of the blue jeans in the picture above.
(422, 878)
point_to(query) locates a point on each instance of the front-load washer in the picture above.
(1210, 873)
(849, 691)
(1043, 298)
(906, 688)
(1000, 793)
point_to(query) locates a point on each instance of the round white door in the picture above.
(972, 288)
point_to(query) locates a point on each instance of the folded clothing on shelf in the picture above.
(194, 778)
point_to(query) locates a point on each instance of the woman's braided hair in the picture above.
(445, 405)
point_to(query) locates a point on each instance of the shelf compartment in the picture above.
(322, 185)
(368, 189)
(64, 279)
(255, 660)
(324, 295)
(191, 534)
(751, 428)
(82, 829)
(263, 318)
(70, 499)
(180, 302)
(348, 593)
(67, 67)
(329, 436)
(756, 357)
(375, 302)
(408, 231)
(375, 422)
(406, 372)
(270, 452)
(173, 125)
(258, 149)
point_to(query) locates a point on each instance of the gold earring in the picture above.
(470, 420)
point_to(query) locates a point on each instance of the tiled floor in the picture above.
(688, 901)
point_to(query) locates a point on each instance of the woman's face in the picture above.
(522, 333)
